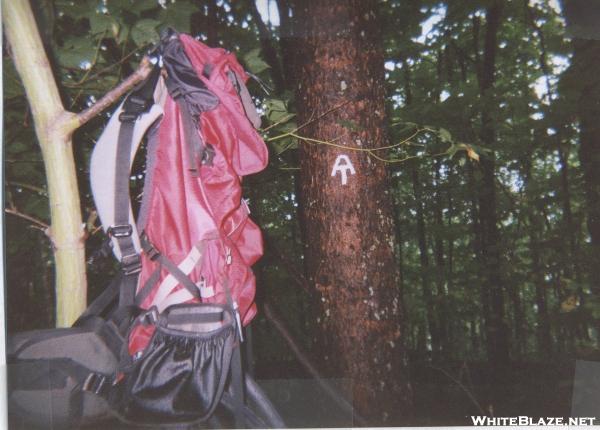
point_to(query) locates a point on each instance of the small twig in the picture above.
(297, 275)
(410, 157)
(31, 187)
(109, 98)
(96, 230)
(461, 386)
(327, 112)
(10, 200)
(311, 120)
(309, 366)
(88, 71)
(406, 141)
(36, 223)
(106, 69)
(281, 121)
(13, 161)
(123, 53)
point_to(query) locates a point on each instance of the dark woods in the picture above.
(431, 210)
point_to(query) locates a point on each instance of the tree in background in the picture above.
(585, 93)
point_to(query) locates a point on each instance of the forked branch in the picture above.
(113, 95)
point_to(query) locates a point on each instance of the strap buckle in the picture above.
(118, 231)
(176, 92)
(151, 252)
(128, 116)
(138, 103)
(208, 154)
(133, 107)
(238, 320)
(96, 383)
(149, 317)
(131, 264)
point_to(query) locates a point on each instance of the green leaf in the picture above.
(452, 150)
(276, 109)
(282, 145)
(445, 135)
(101, 23)
(77, 9)
(253, 61)
(178, 15)
(144, 32)
(285, 127)
(139, 6)
(76, 51)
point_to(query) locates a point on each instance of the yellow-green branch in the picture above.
(54, 127)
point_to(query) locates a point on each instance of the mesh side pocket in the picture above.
(182, 372)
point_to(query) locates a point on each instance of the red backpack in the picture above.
(169, 350)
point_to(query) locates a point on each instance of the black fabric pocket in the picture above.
(182, 373)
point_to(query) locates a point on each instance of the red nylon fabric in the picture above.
(185, 209)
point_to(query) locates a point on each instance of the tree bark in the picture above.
(350, 237)
(586, 61)
(53, 126)
(444, 317)
(544, 338)
(426, 284)
(491, 261)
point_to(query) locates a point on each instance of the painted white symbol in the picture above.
(343, 165)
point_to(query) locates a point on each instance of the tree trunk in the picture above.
(292, 31)
(444, 317)
(426, 284)
(268, 49)
(586, 62)
(348, 215)
(53, 126)
(519, 320)
(491, 261)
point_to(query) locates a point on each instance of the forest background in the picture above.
(481, 157)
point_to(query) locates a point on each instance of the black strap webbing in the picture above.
(195, 146)
(237, 383)
(209, 317)
(181, 277)
(102, 303)
(145, 291)
(137, 103)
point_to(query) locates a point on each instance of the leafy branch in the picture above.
(110, 97)
(276, 110)
(35, 223)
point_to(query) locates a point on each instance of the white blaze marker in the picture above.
(343, 165)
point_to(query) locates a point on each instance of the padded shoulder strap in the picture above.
(103, 167)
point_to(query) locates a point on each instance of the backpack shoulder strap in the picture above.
(110, 166)
(110, 170)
